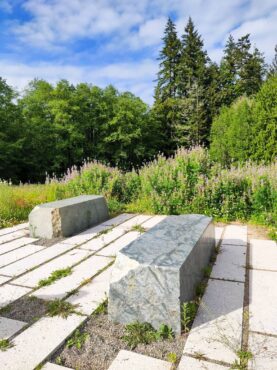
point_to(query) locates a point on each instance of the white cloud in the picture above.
(135, 77)
(6, 5)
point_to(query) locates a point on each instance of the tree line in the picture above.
(50, 128)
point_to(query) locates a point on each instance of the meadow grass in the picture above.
(188, 182)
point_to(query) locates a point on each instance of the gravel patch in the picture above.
(27, 309)
(104, 343)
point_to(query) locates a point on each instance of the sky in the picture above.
(118, 41)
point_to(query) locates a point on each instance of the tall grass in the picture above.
(188, 182)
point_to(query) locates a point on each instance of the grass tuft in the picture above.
(55, 275)
(61, 308)
(5, 344)
(77, 340)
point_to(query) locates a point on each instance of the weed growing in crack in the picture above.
(189, 310)
(5, 344)
(138, 228)
(55, 275)
(102, 308)
(172, 357)
(207, 271)
(242, 363)
(61, 308)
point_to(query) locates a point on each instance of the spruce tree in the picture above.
(165, 107)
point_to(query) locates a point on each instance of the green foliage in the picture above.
(188, 310)
(138, 228)
(61, 308)
(55, 275)
(242, 363)
(207, 271)
(136, 333)
(5, 344)
(102, 308)
(172, 357)
(78, 339)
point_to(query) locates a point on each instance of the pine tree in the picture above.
(193, 59)
(169, 57)
(165, 107)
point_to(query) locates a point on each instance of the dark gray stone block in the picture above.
(67, 217)
(159, 271)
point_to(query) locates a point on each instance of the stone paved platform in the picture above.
(217, 331)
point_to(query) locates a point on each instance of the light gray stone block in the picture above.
(156, 273)
(67, 217)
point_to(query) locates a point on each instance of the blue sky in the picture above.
(117, 41)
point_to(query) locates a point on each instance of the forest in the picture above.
(228, 107)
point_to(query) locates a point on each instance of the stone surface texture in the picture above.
(190, 363)
(9, 327)
(67, 217)
(127, 360)
(264, 350)
(50, 366)
(263, 254)
(153, 275)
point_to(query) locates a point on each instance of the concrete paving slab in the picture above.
(47, 334)
(50, 366)
(19, 253)
(127, 360)
(189, 363)
(12, 229)
(263, 298)
(263, 254)
(230, 263)
(113, 248)
(85, 235)
(9, 327)
(4, 279)
(10, 293)
(137, 220)
(10, 246)
(30, 262)
(118, 219)
(91, 295)
(153, 221)
(12, 236)
(32, 278)
(104, 239)
(84, 271)
(218, 233)
(217, 328)
(235, 235)
(264, 350)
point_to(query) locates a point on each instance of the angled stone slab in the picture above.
(264, 350)
(91, 295)
(263, 254)
(9, 327)
(218, 233)
(263, 298)
(37, 342)
(235, 235)
(127, 360)
(134, 221)
(230, 263)
(83, 237)
(159, 271)
(12, 236)
(83, 271)
(4, 279)
(119, 219)
(217, 329)
(12, 229)
(112, 249)
(34, 260)
(68, 216)
(32, 278)
(100, 241)
(189, 363)
(18, 254)
(10, 293)
(10, 246)
(50, 366)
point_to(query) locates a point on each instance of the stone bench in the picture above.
(159, 271)
(67, 217)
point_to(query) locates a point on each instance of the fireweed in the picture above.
(188, 182)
